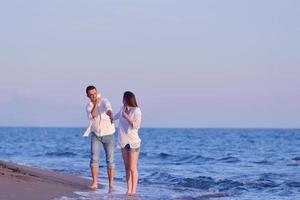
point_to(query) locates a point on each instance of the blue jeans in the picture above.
(108, 143)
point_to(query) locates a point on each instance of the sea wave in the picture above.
(229, 159)
(61, 154)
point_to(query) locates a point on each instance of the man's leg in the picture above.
(111, 175)
(94, 172)
(94, 162)
(109, 147)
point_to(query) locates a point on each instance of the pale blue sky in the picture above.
(191, 63)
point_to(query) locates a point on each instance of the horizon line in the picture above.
(166, 127)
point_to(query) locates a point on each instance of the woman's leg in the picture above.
(125, 154)
(134, 156)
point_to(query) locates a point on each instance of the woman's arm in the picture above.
(117, 116)
(135, 121)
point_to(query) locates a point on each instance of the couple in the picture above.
(101, 130)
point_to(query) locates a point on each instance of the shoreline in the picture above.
(24, 182)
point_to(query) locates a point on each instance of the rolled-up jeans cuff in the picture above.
(94, 164)
(110, 166)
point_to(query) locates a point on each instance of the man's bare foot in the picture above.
(94, 186)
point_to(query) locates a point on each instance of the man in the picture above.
(101, 130)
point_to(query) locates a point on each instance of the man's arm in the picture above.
(111, 116)
(94, 109)
(108, 109)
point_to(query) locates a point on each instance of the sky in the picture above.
(194, 63)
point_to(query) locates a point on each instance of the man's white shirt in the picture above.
(101, 124)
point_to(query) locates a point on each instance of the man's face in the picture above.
(92, 94)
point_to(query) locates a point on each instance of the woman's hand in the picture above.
(125, 115)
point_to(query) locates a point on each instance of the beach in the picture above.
(24, 182)
(225, 164)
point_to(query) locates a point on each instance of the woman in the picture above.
(129, 141)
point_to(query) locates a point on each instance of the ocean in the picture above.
(225, 164)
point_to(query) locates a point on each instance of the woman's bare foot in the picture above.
(94, 186)
(111, 189)
(128, 193)
(131, 193)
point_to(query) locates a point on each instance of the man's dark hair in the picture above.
(88, 88)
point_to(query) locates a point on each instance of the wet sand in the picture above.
(19, 182)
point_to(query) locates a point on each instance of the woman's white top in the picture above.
(128, 134)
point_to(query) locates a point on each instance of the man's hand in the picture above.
(94, 110)
(95, 103)
(111, 117)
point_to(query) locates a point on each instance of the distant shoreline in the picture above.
(24, 182)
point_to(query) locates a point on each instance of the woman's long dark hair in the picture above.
(130, 99)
